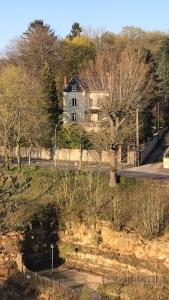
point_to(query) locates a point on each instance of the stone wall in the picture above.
(53, 287)
(71, 155)
(129, 245)
(36, 153)
(119, 257)
(151, 145)
(91, 156)
(8, 254)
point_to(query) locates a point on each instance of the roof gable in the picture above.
(88, 84)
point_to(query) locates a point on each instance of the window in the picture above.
(100, 116)
(73, 87)
(90, 102)
(74, 102)
(99, 102)
(94, 117)
(74, 117)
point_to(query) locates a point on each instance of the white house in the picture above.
(82, 102)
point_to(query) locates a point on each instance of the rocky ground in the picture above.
(116, 265)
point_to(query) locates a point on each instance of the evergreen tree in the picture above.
(162, 74)
(75, 31)
(38, 53)
(163, 68)
(36, 47)
(49, 87)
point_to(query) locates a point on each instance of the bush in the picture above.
(151, 206)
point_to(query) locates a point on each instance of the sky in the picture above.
(103, 15)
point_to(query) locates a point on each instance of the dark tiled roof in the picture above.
(73, 81)
(88, 84)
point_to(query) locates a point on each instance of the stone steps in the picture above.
(114, 272)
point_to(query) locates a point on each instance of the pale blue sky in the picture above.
(112, 15)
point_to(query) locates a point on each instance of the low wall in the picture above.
(166, 162)
(91, 156)
(36, 153)
(166, 159)
(75, 155)
(45, 282)
(151, 144)
(72, 155)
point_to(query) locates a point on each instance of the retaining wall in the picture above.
(151, 145)
(72, 155)
(90, 156)
(45, 282)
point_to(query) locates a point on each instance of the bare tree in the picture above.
(152, 202)
(118, 213)
(10, 186)
(125, 83)
(22, 115)
(7, 122)
(65, 194)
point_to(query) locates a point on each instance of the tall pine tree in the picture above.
(163, 68)
(51, 96)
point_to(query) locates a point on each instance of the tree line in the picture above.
(134, 62)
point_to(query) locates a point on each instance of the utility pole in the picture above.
(55, 145)
(55, 154)
(158, 116)
(81, 150)
(137, 138)
(52, 247)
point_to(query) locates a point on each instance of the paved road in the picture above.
(66, 165)
(76, 280)
(154, 164)
(154, 171)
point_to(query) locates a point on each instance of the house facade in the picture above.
(82, 103)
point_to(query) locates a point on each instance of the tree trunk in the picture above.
(6, 159)
(18, 154)
(6, 152)
(113, 171)
(113, 178)
(29, 158)
(80, 161)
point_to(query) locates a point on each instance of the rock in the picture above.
(6, 258)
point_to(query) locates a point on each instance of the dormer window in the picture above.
(74, 102)
(73, 87)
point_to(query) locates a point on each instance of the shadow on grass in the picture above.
(17, 287)
(40, 243)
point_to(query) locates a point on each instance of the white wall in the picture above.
(82, 106)
(79, 109)
(70, 155)
(89, 156)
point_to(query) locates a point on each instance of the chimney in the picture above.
(65, 81)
